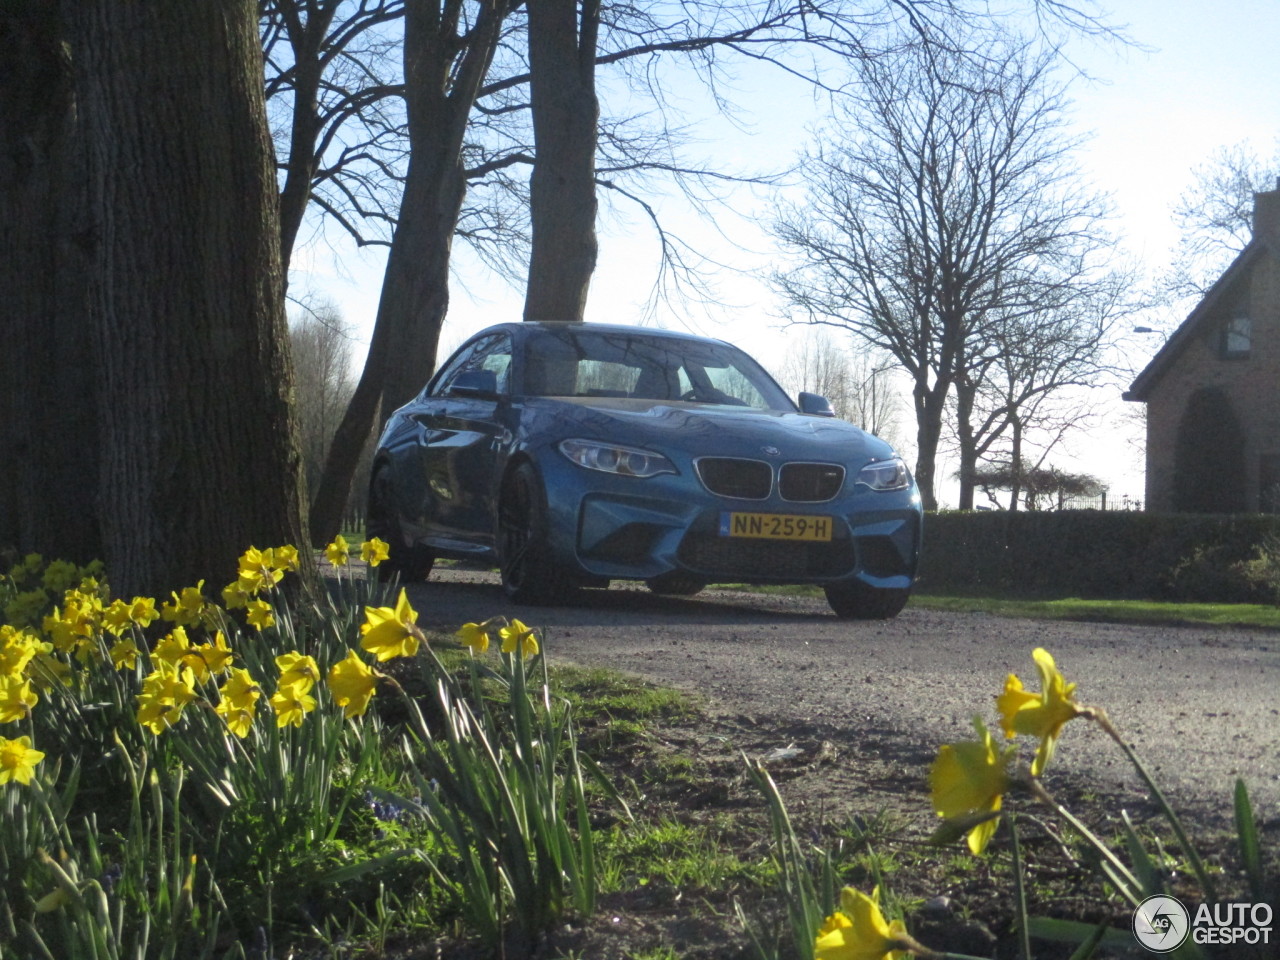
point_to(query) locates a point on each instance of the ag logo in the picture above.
(1161, 923)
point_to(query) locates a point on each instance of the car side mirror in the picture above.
(478, 384)
(816, 405)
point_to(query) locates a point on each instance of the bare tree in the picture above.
(1214, 216)
(1033, 373)
(945, 206)
(320, 340)
(334, 87)
(858, 384)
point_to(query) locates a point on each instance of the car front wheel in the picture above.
(529, 575)
(412, 563)
(855, 600)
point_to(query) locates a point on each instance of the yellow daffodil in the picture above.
(284, 558)
(18, 648)
(291, 706)
(338, 552)
(258, 571)
(968, 781)
(120, 615)
(235, 597)
(240, 692)
(859, 931)
(352, 683)
(17, 760)
(187, 608)
(1038, 714)
(211, 658)
(259, 614)
(116, 617)
(124, 654)
(298, 671)
(475, 636)
(374, 551)
(164, 693)
(239, 721)
(61, 630)
(517, 637)
(142, 611)
(173, 647)
(391, 632)
(17, 699)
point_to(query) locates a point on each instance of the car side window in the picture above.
(451, 369)
(492, 353)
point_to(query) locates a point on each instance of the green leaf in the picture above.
(1247, 832)
(1144, 867)
(1073, 931)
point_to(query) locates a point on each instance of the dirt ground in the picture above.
(847, 717)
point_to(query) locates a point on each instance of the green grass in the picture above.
(1112, 611)
(1253, 615)
(684, 856)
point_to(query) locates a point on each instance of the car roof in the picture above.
(552, 326)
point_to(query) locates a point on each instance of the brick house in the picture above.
(1213, 390)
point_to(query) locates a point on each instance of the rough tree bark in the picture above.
(47, 400)
(562, 187)
(185, 309)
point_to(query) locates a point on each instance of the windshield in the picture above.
(580, 362)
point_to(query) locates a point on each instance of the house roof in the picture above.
(1191, 327)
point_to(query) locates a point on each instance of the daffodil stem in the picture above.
(1102, 720)
(1129, 886)
(1020, 888)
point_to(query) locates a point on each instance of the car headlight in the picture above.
(613, 458)
(891, 474)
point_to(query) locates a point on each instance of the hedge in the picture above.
(1093, 554)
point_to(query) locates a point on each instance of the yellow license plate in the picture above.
(775, 526)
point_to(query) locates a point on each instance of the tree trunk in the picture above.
(48, 442)
(968, 446)
(1015, 474)
(439, 95)
(562, 189)
(929, 404)
(200, 458)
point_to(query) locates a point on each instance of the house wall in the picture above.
(1251, 383)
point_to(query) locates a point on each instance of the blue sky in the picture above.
(1206, 80)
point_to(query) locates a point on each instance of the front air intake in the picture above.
(735, 477)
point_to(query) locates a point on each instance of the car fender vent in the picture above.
(810, 482)
(736, 477)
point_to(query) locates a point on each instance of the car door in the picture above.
(462, 460)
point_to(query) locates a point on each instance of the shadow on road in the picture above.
(446, 603)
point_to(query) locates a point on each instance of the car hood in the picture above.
(705, 429)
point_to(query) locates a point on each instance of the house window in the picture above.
(1237, 336)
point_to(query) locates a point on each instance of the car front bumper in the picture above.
(632, 529)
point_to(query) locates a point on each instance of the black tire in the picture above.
(854, 600)
(411, 563)
(529, 575)
(675, 585)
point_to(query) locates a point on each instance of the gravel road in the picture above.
(1202, 705)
